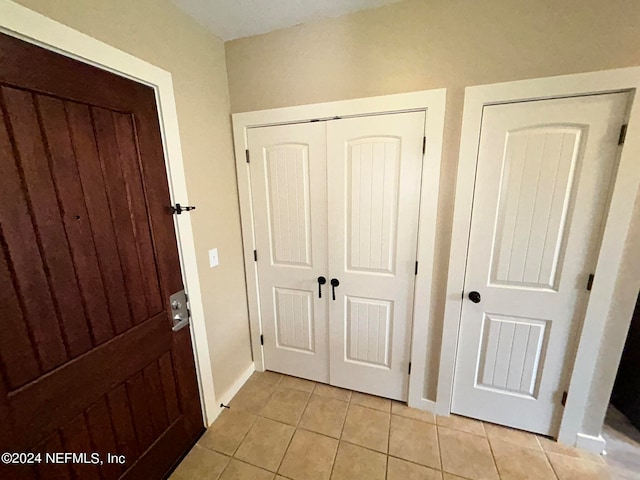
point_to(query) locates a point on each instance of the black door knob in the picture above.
(334, 283)
(475, 297)
(321, 281)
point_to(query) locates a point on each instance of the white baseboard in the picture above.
(231, 391)
(590, 443)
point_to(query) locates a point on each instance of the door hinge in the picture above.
(409, 368)
(564, 398)
(255, 255)
(590, 282)
(178, 209)
(424, 144)
(623, 134)
(416, 271)
(246, 154)
(261, 339)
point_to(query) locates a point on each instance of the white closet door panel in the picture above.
(374, 167)
(542, 188)
(288, 183)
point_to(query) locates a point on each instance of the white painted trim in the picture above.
(20, 22)
(590, 443)
(237, 385)
(608, 274)
(433, 101)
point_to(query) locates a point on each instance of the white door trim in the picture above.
(30, 26)
(433, 101)
(609, 274)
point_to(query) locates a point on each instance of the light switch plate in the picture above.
(213, 258)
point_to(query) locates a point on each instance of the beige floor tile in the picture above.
(297, 383)
(324, 415)
(265, 444)
(466, 455)
(449, 476)
(403, 410)
(357, 463)
(462, 424)
(200, 464)
(571, 468)
(237, 470)
(415, 441)
(510, 435)
(309, 457)
(402, 470)
(286, 405)
(227, 431)
(371, 401)
(253, 396)
(272, 378)
(367, 427)
(328, 391)
(520, 463)
(551, 446)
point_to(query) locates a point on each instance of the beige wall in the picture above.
(159, 33)
(424, 44)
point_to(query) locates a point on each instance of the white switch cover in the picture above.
(213, 258)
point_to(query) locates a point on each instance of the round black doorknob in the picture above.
(475, 297)
(322, 280)
(335, 282)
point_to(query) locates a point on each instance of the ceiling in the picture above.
(230, 19)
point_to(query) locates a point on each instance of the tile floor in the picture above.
(623, 440)
(281, 427)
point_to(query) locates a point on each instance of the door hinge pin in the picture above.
(623, 134)
(424, 145)
(590, 282)
(416, 271)
(564, 398)
(255, 255)
(409, 368)
(246, 154)
(261, 339)
(178, 209)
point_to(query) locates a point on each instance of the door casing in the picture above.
(431, 101)
(27, 25)
(612, 296)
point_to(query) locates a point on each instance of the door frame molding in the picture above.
(615, 287)
(32, 27)
(431, 101)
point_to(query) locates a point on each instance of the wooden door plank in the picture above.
(97, 373)
(139, 402)
(54, 471)
(155, 397)
(130, 164)
(95, 197)
(75, 216)
(120, 214)
(102, 437)
(122, 421)
(26, 264)
(76, 439)
(169, 387)
(27, 135)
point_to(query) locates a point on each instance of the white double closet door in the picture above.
(335, 207)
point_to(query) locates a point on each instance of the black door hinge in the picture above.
(590, 282)
(246, 154)
(178, 209)
(424, 144)
(261, 339)
(416, 271)
(409, 368)
(623, 134)
(255, 255)
(564, 398)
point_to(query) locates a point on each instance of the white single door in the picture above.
(542, 189)
(374, 167)
(288, 183)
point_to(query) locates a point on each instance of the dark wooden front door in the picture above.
(88, 260)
